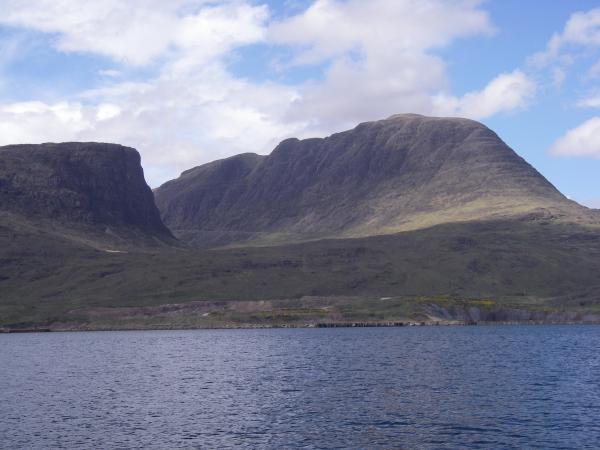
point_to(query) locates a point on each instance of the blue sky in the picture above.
(189, 81)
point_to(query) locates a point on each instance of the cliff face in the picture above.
(402, 173)
(93, 185)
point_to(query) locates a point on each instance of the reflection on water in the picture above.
(424, 387)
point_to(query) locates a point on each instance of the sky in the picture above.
(186, 82)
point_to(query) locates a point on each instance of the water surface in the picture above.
(418, 387)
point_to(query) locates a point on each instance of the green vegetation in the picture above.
(543, 268)
(406, 219)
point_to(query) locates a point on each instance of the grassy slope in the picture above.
(532, 264)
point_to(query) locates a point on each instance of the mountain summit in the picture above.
(402, 173)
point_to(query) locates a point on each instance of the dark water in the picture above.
(422, 387)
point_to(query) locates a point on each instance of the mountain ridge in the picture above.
(437, 214)
(405, 172)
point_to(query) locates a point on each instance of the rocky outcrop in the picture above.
(402, 173)
(474, 315)
(92, 185)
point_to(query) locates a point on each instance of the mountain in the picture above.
(86, 192)
(406, 219)
(403, 173)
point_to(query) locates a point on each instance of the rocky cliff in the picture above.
(90, 186)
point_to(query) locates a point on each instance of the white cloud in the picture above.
(506, 92)
(106, 111)
(582, 30)
(176, 123)
(378, 28)
(127, 31)
(64, 112)
(378, 55)
(583, 140)
(192, 109)
(191, 112)
(139, 31)
(111, 73)
(572, 48)
(353, 92)
(213, 31)
(36, 122)
(590, 102)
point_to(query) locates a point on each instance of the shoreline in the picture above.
(308, 312)
(408, 324)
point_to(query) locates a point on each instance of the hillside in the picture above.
(509, 270)
(403, 173)
(407, 219)
(86, 192)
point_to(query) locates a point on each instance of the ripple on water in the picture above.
(463, 387)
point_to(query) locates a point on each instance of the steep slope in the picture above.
(86, 192)
(406, 172)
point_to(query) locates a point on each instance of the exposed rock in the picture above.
(405, 172)
(92, 185)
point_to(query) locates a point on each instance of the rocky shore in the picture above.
(311, 312)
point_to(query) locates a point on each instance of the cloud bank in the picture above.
(367, 60)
